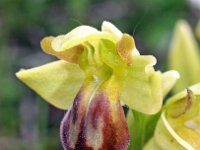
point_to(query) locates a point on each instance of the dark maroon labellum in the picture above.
(99, 125)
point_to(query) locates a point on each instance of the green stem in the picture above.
(141, 128)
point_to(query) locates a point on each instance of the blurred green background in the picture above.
(26, 121)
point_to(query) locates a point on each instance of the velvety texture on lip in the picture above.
(107, 118)
(73, 120)
(99, 126)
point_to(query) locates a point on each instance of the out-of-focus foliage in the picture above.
(184, 56)
(23, 23)
(198, 30)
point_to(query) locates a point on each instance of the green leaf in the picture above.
(57, 82)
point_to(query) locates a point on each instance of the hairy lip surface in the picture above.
(100, 126)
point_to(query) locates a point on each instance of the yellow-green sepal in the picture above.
(57, 82)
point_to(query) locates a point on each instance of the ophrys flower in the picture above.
(103, 67)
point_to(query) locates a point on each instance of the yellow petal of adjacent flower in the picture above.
(169, 79)
(143, 86)
(167, 138)
(71, 55)
(184, 56)
(190, 135)
(195, 89)
(151, 145)
(57, 82)
(179, 125)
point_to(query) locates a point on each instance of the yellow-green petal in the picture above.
(110, 28)
(57, 82)
(143, 86)
(72, 55)
(169, 79)
(184, 56)
(78, 36)
(125, 46)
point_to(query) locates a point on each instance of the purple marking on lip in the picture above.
(114, 132)
(70, 119)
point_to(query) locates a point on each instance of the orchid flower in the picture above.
(97, 72)
(179, 125)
